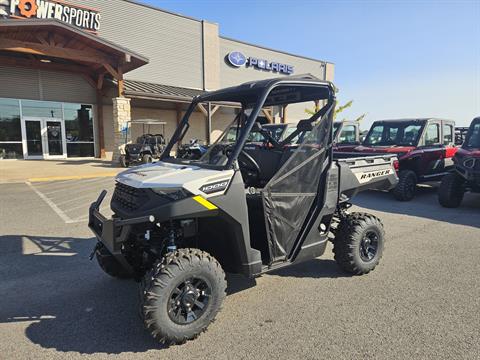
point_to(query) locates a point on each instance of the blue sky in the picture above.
(393, 58)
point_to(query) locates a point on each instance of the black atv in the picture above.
(466, 174)
(147, 148)
(179, 224)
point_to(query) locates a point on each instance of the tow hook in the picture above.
(97, 246)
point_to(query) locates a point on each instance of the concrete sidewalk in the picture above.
(12, 171)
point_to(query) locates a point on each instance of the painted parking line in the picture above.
(50, 203)
(81, 186)
(72, 199)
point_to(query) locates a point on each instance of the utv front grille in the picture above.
(128, 197)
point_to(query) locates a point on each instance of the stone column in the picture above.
(121, 115)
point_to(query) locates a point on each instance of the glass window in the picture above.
(432, 136)
(80, 150)
(11, 151)
(447, 134)
(394, 133)
(10, 128)
(78, 122)
(375, 135)
(473, 138)
(347, 134)
(46, 109)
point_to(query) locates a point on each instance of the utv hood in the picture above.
(162, 175)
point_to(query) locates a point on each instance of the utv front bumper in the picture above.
(114, 231)
(136, 157)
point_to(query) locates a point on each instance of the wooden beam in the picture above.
(40, 38)
(51, 39)
(111, 70)
(214, 109)
(202, 109)
(89, 56)
(88, 78)
(268, 115)
(121, 84)
(36, 64)
(284, 114)
(101, 133)
(100, 81)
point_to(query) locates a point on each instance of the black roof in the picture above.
(241, 93)
(420, 120)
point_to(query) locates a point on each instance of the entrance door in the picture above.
(45, 138)
(54, 138)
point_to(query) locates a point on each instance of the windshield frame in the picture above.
(399, 124)
(184, 125)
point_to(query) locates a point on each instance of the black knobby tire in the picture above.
(407, 183)
(355, 235)
(451, 191)
(165, 294)
(110, 265)
(123, 161)
(147, 159)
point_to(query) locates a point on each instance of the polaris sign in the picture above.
(237, 59)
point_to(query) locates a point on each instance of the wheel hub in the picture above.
(369, 246)
(188, 301)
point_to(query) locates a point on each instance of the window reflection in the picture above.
(45, 109)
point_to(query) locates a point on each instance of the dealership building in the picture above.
(75, 75)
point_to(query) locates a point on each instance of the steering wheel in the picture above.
(249, 161)
(247, 165)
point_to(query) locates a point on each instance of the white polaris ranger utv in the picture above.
(243, 207)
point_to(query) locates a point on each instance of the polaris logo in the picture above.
(365, 177)
(214, 187)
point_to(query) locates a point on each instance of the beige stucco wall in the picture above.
(211, 54)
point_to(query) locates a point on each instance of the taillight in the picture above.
(396, 165)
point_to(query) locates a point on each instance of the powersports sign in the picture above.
(237, 59)
(79, 16)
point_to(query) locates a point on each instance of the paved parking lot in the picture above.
(423, 301)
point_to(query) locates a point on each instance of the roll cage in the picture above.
(255, 96)
(472, 139)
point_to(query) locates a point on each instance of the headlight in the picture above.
(173, 194)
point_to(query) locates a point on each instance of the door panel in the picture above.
(34, 138)
(54, 138)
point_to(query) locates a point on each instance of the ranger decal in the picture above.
(364, 177)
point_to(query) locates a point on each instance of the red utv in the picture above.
(466, 174)
(424, 147)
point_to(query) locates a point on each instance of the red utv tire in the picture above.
(406, 187)
(451, 191)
